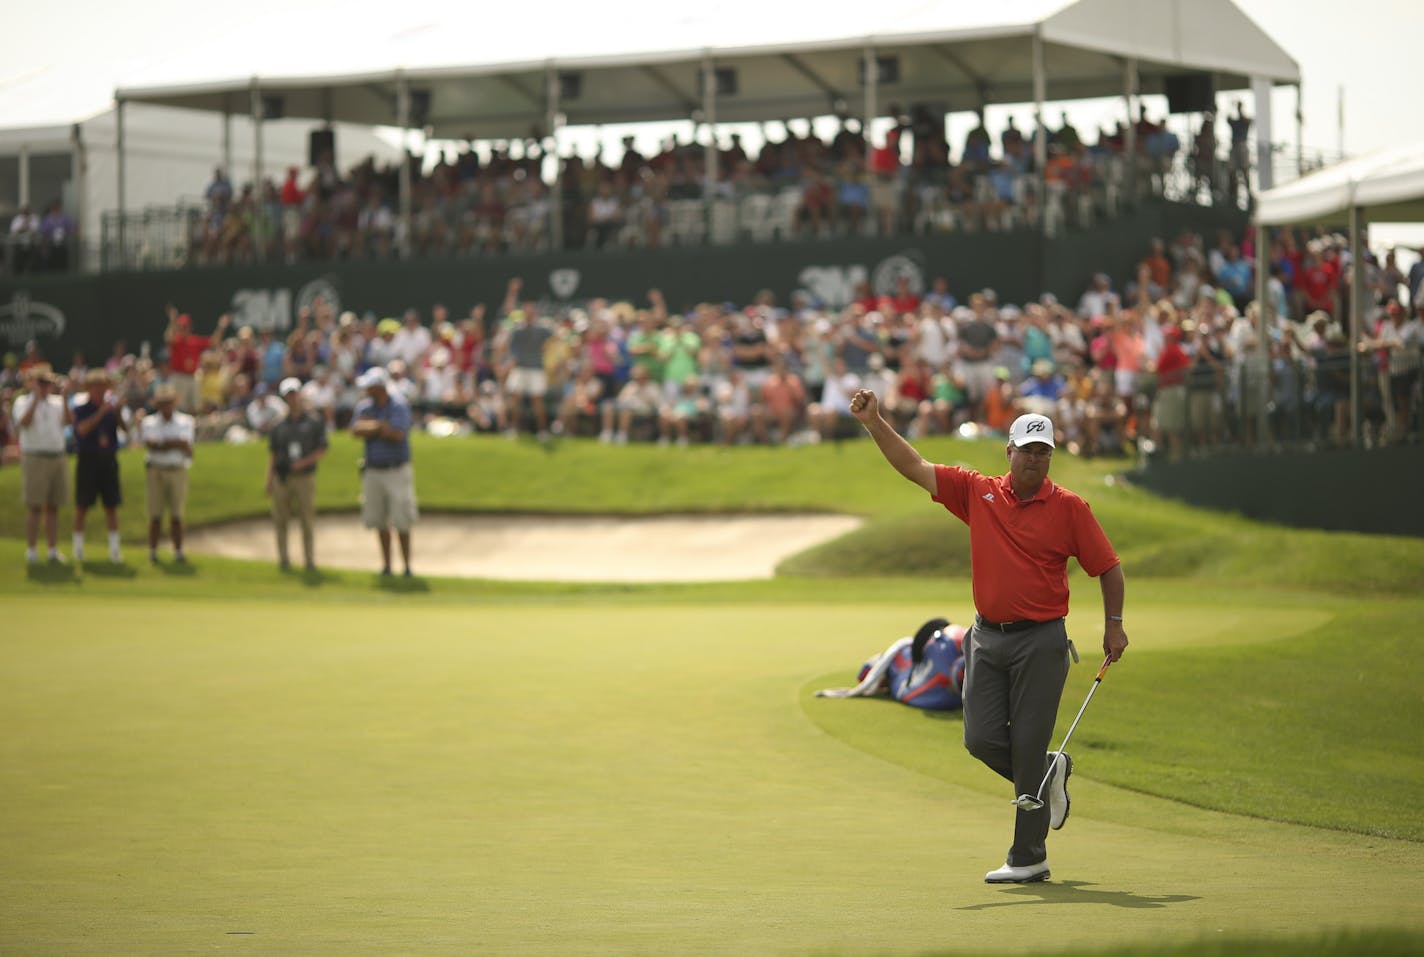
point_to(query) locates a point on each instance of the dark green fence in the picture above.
(89, 313)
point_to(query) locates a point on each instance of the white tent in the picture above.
(479, 71)
(1386, 186)
(483, 72)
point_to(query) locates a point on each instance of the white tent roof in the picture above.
(1388, 185)
(486, 72)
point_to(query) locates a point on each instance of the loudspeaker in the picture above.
(887, 69)
(725, 83)
(273, 107)
(320, 142)
(1190, 93)
(419, 108)
(570, 86)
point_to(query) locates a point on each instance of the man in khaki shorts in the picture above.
(168, 436)
(40, 415)
(296, 445)
(382, 419)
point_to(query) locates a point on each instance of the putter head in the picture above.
(1027, 802)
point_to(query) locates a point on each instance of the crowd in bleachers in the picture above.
(476, 201)
(1171, 357)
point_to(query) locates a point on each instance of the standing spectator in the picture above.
(783, 399)
(96, 467)
(295, 446)
(1240, 168)
(1416, 280)
(411, 341)
(1023, 529)
(1169, 405)
(1098, 298)
(168, 436)
(40, 416)
(57, 234)
(383, 421)
(1159, 269)
(185, 352)
(25, 240)
(1235, 276)
(527, 378)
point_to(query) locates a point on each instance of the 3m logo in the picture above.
(988, 496)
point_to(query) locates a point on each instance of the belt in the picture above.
(385, 465)
(164, 468)
(44, 455)
(1010, 626)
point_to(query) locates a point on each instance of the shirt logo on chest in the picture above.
(988, 496)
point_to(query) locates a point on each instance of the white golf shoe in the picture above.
(1028, 874)
(1058, 802)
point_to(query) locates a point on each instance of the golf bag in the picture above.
(925, 671)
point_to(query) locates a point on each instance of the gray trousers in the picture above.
(1012, 685)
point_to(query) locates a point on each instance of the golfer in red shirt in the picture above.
(1022, 531)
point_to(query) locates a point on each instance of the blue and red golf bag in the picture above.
(923, 671)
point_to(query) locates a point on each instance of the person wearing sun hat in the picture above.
(168, 436)
(383, 421)
(41, 415)
(1023, 530)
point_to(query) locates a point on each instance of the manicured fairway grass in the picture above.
(589, 778)
(224, 759)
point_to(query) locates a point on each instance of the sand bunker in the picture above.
(553, 548)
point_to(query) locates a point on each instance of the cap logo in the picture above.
(1035, 426)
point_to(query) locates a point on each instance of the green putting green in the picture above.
(220, 758)
(310, 777)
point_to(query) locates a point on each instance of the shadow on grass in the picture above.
(110, 570)
(1076, 892)
(177, 569)
(315, 577)
(401, 584)
(52, 573)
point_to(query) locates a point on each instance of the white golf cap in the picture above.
(375, 376)
(289, 385)
(1031, 427)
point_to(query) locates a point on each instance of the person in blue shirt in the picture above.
(96, 466)
(383, 420)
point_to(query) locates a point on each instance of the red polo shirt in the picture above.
(184, 351)
(1019, 551)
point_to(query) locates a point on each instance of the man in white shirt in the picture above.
(168, 436)
(41, 415)
(412, 341)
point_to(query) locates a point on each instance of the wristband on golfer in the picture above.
(1116, 618)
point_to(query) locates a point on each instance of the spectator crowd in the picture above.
(474, 202)
(1171, 358)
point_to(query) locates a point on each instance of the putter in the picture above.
(1034, 802)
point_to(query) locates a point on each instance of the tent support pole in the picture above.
(872, 94)
(1040, 134)
(227, 139)
(556, 194)
(121, 148)
(1299, 132)
(1356, 225)
(403, 121)
(80, 159)
(709, 116)
(259, 231)
(1129, 137)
